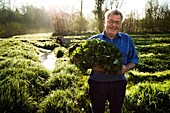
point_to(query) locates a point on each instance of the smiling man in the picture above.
(107, 86)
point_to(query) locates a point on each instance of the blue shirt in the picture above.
(126, 46)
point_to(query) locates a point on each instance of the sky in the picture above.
(88, 5)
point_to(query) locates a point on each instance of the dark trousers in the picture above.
(114, 92)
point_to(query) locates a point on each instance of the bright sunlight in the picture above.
(88, 5)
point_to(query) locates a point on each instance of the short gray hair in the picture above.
(113, 12)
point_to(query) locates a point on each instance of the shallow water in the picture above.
(48, 59)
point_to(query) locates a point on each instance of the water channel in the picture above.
(48, 58)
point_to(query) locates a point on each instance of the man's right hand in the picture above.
(72, 48)
(97, 68)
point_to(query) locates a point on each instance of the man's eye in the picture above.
(114, 22)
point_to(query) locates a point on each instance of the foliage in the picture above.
(26, 86)
(80, 25)
(153, 64)
(61, 81)
(154, 55)
(58, 101)
(95, 52)
(18, 50)
(14, 96)
(32, 72)
(148, 86)
(65, 101)
(68, 23)
(64, 65)
(82, 95)
(50, 45)
(99, 14)
(27, 19)
(155, 49)
(66, 80)
(67, 76)
(60, 51)
(21, 62)
(135, 77)
(12, 28)
(148, 98)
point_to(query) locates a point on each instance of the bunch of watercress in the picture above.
(99, 53)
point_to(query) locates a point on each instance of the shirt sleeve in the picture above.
(132, 55)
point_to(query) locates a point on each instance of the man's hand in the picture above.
(97, 68)
(72, 48)
(128, 67)
(123, 69)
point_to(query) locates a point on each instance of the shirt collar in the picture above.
(105, 36)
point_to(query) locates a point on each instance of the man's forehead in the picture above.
(113, 16)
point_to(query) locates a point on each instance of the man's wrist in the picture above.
(130, 66)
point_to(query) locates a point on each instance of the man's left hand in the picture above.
(126, 68)
(123, 69)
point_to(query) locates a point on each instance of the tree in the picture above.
(80, 25)
(60, 22)
(151, 14)
(116, 3)
(99, 14)
(164, 17)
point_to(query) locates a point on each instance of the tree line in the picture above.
(31, 19)
(27, 19)
(156, 19)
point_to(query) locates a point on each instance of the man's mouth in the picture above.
(113, 29)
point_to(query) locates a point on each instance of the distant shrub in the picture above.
(11, 28)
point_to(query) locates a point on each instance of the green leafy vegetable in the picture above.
(97, 52)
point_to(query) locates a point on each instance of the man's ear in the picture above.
(105, 22)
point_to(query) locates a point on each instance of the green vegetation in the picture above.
(17, 20)
(27, 86)
(148, 85)
(21, 77)
(61, 52)
(149, 98)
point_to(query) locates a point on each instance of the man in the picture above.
(102, 86)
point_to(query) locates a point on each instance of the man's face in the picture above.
(113, 25)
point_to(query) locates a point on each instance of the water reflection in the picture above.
(48, 59)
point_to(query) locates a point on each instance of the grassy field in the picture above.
(27, 86)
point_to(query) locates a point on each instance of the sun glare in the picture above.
(66, 5)
(88, 5)
(58, 4)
